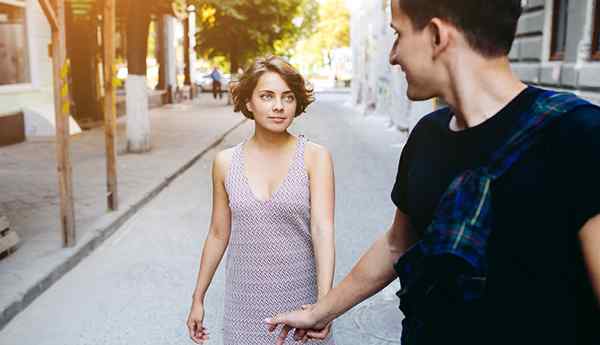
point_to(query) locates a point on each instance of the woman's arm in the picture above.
(218, 235)
(214, 247)
(322, 204)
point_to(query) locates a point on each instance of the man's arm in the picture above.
(590, 243)
(373, 272)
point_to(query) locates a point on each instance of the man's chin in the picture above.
(419, 95)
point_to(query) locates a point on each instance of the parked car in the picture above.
(204, 82)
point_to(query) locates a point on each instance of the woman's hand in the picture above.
(198, 333)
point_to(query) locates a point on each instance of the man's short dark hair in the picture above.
(488, 25)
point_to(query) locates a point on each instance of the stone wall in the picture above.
(530, 54)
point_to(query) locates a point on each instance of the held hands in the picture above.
(306, 324)
(198, 333)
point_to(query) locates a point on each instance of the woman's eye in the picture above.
(290, 98)
(266, 97)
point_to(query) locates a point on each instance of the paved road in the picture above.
(136, 288)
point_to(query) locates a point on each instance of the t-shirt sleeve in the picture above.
(400, 190)
(586, 168)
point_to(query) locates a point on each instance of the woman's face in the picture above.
(273, 103)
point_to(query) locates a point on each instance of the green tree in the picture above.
(331, 32)
(242, 29)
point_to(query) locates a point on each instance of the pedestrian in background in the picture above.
(216, 77)
(273, 208)
(496, 237)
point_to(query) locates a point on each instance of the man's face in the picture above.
(413, 52)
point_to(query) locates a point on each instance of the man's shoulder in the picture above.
(581, 117)
(582, 120)
(578, 130)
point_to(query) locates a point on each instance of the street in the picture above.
(136, 288)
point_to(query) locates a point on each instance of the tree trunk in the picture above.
(138, 117)
(234, 66)
(234, 62)
(82, 47)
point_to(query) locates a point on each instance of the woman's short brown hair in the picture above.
(242, 90)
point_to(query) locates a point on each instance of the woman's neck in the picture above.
(270, 141)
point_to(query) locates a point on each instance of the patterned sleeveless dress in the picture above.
(270, 265)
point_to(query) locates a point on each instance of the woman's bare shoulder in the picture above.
(316, 155)
(222, 161)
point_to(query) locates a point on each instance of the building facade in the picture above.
(25, 67)
(26, 84)
(558, 46)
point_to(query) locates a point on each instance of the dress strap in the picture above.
(236, 161)
(300, 148)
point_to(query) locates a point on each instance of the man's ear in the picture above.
(440, 36)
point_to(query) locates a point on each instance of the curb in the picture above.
(100, 235)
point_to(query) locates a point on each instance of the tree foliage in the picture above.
(243, 29)
(331, 32)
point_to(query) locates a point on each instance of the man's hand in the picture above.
(305, 322)
(316, 334)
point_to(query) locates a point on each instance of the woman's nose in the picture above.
(278, 105)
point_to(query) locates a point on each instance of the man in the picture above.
(540, 277)
(215, 75)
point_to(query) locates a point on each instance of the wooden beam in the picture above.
(60, 69)
(110, 122)
(187, 72)
(50, 14)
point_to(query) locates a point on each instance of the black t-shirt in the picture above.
(537, 291)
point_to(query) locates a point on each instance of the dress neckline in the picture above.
(283, 181)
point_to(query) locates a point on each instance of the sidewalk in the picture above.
(29, 197)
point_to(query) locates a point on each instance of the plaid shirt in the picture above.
(462, 225)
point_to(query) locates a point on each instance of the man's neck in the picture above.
(479, 88)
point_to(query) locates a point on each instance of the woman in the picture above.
(273, 204)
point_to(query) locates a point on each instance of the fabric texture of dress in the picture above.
(270, 265)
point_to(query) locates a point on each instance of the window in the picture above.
(596, 36)
(14, 57)
(559, 29)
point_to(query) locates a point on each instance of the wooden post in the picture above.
(110, 123)
(161, 56)
(187, 68)
(60, 69)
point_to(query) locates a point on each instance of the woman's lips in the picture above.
(277, 119)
